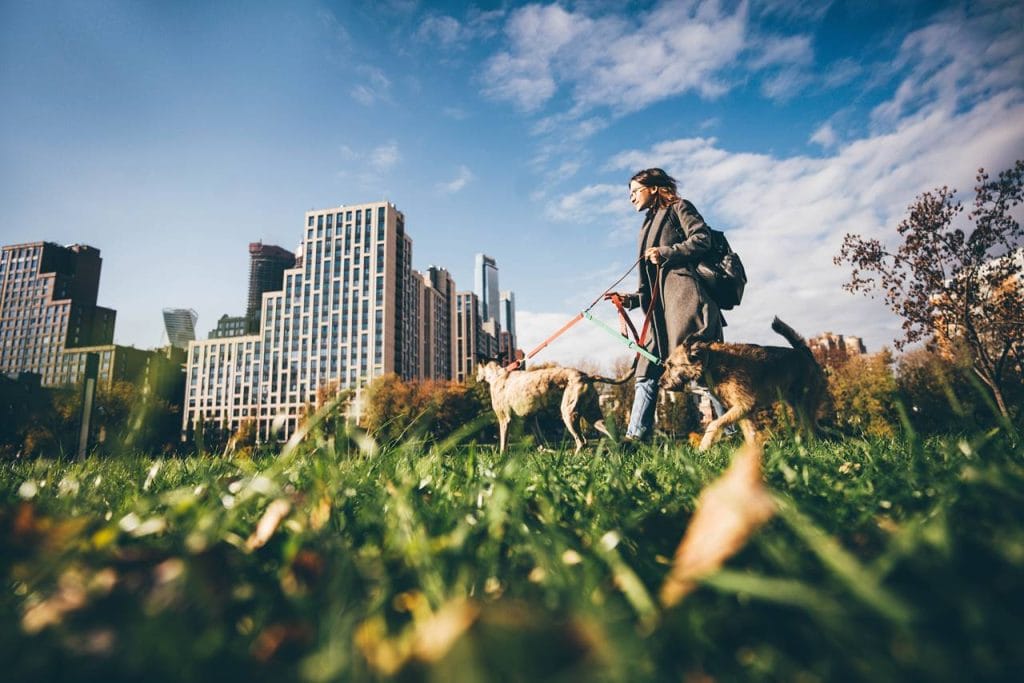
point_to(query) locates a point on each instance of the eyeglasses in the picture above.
(633, 193)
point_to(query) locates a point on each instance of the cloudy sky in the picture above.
(171, 134)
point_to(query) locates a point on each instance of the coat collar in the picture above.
(651, 230)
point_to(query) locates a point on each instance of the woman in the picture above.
(673, 238)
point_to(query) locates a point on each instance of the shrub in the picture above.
(864, 392)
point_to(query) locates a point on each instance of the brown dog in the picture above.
(747, 377)
(517, 392)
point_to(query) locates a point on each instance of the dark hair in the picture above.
(655, 177)
(663, 183)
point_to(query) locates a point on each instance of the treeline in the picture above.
(873, 395)
(879, 395)
(47, 421)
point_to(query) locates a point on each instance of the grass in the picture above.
(889, 560)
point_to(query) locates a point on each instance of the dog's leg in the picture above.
(749, 431)
(503, 432)
(571, 417)
(714, 429)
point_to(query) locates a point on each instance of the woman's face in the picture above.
(640, 196)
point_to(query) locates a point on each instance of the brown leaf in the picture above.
(275, 636)
(268, 523)
(728, 513)
(436, 635)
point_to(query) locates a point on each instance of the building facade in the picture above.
(230, 326)
(485, 286)
(48, 299)
(156, 370)
(437, 320)
(507, 335)
(180, 326)
(832, 350)
(471, 337)
(267, 264)
(348, 312)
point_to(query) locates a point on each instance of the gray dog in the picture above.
(524, 392)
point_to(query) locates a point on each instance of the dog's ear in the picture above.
(698, 352)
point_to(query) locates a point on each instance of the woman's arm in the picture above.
(696, 237)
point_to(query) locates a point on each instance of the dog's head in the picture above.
(487, 372)
(684, 365)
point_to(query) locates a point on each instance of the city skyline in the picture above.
(507, 129)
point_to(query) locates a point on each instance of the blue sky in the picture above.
(171, 134)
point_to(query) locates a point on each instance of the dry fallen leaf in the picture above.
(436, 635)
(268, 523)
(728, 513)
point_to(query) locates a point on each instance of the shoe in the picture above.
(630, 444)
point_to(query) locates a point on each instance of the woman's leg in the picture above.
(641, 417)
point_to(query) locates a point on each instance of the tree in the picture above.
(951, 284)
(864, 393)
(936, 391)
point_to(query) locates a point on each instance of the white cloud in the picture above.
(384, 157)
(368, 169)
(455, 113)
(375, 88)
(957, 61)
(443, 30)
(825, 136)
(583, 205)
(609, 61)
(462, 178)
(781, 50)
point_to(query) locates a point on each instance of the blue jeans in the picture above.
(641, 417)
(645, 400)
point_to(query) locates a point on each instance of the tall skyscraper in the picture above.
(267, 264)
(347, 313)
(48, 303)
(180, 325)
(507, 333)
(507, 320)
(485, 286)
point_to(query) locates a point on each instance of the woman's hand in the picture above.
(653, 254)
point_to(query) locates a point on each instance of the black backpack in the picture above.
(722, 272)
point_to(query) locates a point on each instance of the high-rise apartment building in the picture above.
(267, 264)
(437, 320)
(230, 326)
(507, 334)
(347, 313)
(485, 286)
(470, 339)
(48, 303)
(507, 319)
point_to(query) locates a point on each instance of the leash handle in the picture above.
(614, 285)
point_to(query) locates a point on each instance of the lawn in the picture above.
(333, 559)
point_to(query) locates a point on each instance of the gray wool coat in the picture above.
(683, 311)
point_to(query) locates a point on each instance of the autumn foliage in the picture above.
(955, 283)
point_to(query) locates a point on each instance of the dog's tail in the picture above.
(794, 339)
(621, 380)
